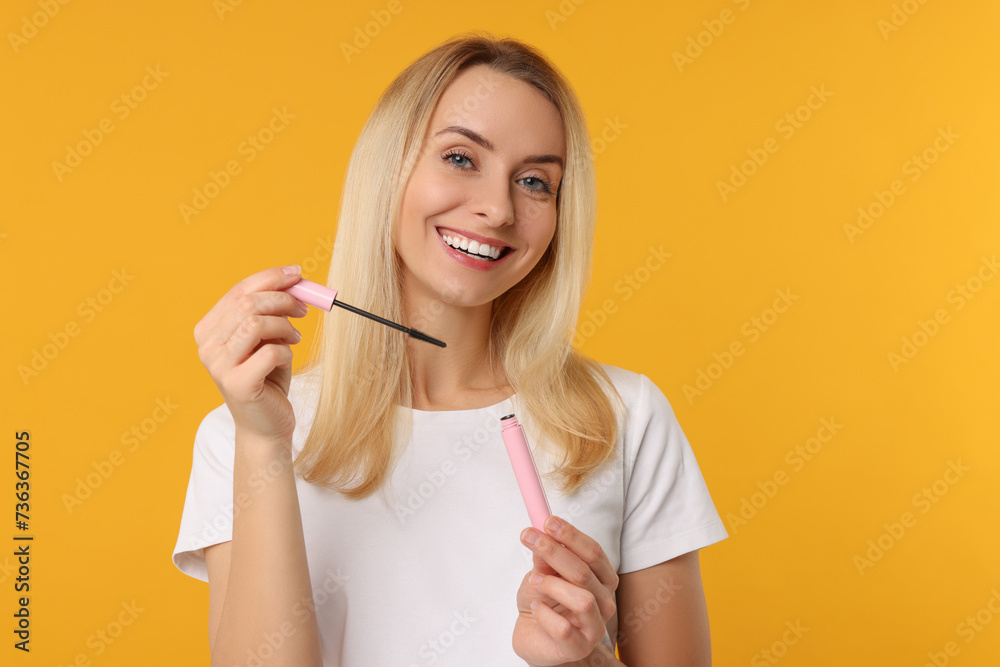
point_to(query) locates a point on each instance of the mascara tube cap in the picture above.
(312, 293)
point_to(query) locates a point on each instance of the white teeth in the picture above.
(474, 247)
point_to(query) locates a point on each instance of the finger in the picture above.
(559, 557)
(580, 605)
(272, 303)
(272, 279)
(259, 303)
(573, 569)
(540, 566)
(258, 367)
(579, 601)
(254, 331)
(585, 547)
(570, 638)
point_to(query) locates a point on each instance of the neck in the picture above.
(458, 374)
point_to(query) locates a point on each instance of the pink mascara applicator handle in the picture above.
(314, 294)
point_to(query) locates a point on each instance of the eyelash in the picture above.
(546, 185)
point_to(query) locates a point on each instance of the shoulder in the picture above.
(642, 397)
(649, 422)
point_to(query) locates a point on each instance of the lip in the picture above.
(493, 243)
(465, 260)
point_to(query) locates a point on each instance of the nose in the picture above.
(493, 201)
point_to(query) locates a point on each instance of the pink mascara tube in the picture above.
(525, 471)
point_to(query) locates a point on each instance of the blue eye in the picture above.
(458, 155)
(546, 186)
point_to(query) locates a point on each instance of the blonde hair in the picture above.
(364, 366)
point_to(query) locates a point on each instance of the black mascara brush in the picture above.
(323, 297)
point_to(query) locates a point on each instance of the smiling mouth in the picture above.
(472, 248)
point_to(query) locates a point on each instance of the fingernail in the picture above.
(292, 270)
(531, 537)
(298, 336)
(537, 579)
(533, 605)
(554, 525)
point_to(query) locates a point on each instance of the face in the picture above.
(488, 173)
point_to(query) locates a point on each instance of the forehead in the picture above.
(512, 114)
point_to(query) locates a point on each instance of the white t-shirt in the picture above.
(432, 578)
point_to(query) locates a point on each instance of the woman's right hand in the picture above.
(244, 342)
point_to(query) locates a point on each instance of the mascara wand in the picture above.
(323, 297)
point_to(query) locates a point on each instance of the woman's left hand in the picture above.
(575, 596)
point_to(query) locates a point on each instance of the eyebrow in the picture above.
(485, 143)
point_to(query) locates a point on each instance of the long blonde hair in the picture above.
(364, 366)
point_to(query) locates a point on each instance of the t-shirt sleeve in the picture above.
(207, 517)
(668, 509)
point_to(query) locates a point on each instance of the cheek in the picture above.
(430, 192)
(538, 224)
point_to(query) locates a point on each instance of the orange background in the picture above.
(679, 98)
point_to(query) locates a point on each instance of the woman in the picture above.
(468, 213)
